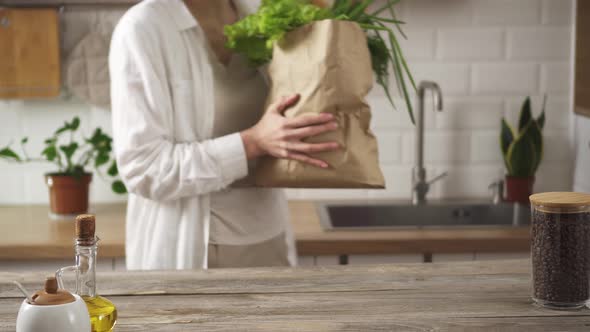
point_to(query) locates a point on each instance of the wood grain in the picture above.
(471, 296)
(582, 60)
(28, 233)
(29, 56)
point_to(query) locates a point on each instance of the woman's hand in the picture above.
(281, 137)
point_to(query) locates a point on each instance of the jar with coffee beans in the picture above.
(560, 249)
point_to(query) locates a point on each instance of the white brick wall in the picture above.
(487, 55)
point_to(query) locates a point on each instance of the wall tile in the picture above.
(539, 43)
(557, 146)
(558, 111)
(420, 44)
(505, 78)
(468, 181)
(436, 13)
(485, 146)
(439, 147)
(464, 113)
(487, 56)
(557, 12)
(398, 183)
(13, 183)
(389, 147)
(471, 44)
(556, 78)
(385, 117)
(507, 12)
(41, 118)
(11, 127)
(454, 79)
(554, 176)
(36, 191)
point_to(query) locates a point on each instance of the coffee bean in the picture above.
(560, 251)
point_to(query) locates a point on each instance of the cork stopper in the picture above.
(85, 229)
(51, 295)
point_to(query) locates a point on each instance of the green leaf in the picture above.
(113, 170)
(525, 114)
(75, 124)
(506, 136)
(522, 156)
(118, 187)
(387, 5)
(360, 8)
(50, 153)
(536, 137)
(9, 154)
(541, 118)
(69, 149)
(61, 130)
(24, 140)
(101, 159)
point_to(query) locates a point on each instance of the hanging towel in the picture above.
(87, 72)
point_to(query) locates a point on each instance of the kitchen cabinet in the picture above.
(458, 296)
(29, 55)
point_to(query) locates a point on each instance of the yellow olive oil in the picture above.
(103, 314)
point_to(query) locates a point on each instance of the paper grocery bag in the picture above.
(329, 65)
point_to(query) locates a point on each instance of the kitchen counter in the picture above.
(473, 296)
(27, 233)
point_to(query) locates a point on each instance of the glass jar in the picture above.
(560, 249)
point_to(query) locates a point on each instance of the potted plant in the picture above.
(69, 184)
(522, 150)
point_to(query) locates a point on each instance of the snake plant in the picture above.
(523, 148)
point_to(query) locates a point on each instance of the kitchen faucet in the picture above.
(419, 183)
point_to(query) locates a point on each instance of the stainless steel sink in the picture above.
(450, 214)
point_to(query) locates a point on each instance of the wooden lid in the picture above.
(51, 295)
(561, 199)
(85, 229)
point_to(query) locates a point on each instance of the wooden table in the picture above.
(470, 296)
(28, 234)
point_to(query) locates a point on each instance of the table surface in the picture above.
(28, 233)
(468, 296)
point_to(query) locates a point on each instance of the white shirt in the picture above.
(163, 112)
(242, 214)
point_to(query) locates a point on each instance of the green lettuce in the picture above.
(255, 35)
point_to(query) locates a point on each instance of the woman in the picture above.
(188, 121)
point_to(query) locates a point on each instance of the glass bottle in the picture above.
(103, 314)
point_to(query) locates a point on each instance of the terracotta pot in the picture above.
(518, 189)
(68, 194)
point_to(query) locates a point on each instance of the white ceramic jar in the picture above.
(68, 317)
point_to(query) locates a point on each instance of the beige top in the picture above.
(242, 214)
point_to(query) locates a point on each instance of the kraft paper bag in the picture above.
(329, 65)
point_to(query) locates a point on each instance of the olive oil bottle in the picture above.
(103, 314)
